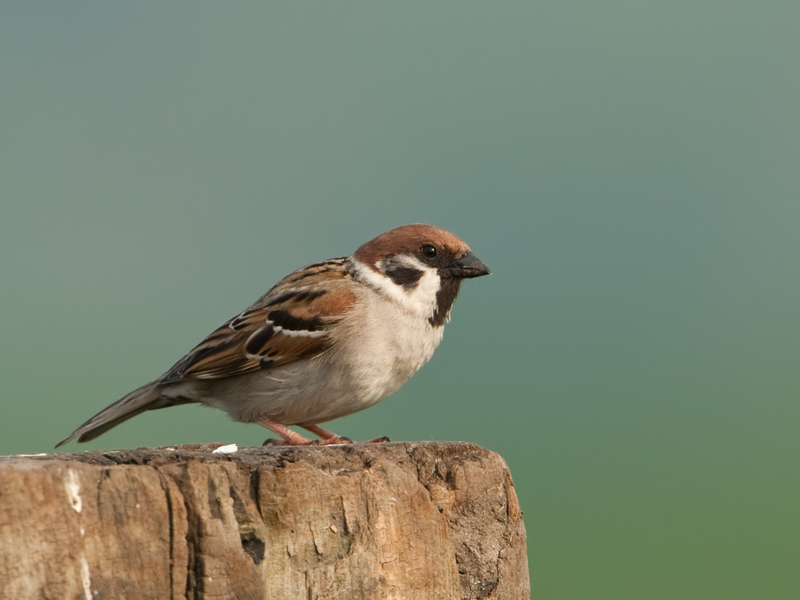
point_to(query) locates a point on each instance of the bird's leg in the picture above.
(328, 437)
(289, 437)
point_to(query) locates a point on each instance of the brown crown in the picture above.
(408, 238)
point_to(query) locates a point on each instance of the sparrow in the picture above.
(328, 340)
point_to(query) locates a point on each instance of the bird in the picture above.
(330, 339)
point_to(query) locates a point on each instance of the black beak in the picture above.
(468, 266)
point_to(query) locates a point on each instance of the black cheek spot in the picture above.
(408, 277)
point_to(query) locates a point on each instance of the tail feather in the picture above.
(139, 400)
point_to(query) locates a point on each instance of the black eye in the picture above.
(428, 251)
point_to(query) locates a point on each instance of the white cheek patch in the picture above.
(424, 295)
(409, 261)
(420, 300)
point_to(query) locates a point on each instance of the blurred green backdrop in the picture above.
(630, 170)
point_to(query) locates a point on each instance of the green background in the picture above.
(630, 170)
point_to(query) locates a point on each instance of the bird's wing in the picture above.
(290, 322)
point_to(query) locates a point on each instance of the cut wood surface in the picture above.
(414, 521)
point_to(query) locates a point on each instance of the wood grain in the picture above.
(367, 521)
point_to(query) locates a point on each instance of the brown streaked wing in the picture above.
(288, 323)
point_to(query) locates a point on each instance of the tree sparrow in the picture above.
(330, 339)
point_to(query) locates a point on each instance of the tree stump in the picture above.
(410, 521)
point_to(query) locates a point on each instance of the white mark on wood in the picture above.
(86, 579)
(73, 490)
(229, 449)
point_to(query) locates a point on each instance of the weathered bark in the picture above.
(404, 520)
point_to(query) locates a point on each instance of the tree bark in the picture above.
(365, 521)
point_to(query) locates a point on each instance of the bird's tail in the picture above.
(139, 400)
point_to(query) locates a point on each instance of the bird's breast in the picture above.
(389, 347)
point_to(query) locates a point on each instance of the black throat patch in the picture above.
(448, 290)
